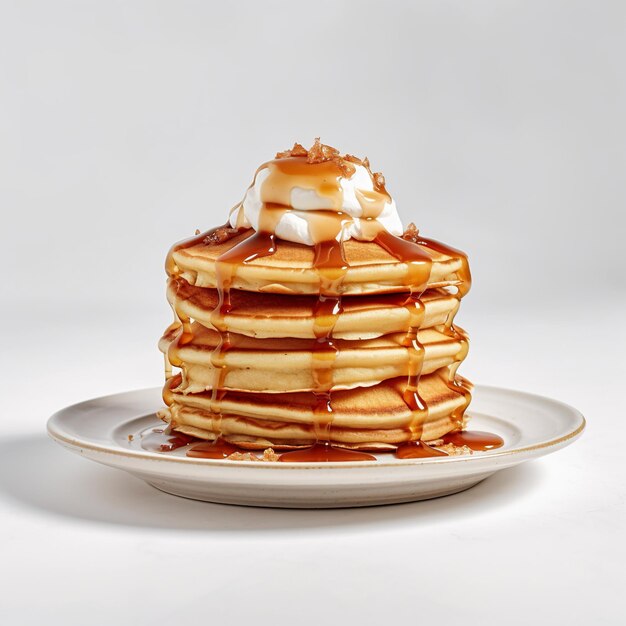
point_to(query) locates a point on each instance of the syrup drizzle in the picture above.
(323, 452)
(182, 322)
(453, 382)
(325, 228)
(419, 266)
(476, 440)
(260, 244)
(331, 267)
(417, 450)
(164, 440)
(218, 449)
(168, 440)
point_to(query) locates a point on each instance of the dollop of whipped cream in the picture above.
(305, 196)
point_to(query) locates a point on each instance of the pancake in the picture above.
(280, 365)
(266, 315)
(367, 418)
(291, 268)
(348, 341)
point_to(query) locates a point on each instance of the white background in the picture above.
(124, 126)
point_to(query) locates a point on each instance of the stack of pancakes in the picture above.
(254, 369)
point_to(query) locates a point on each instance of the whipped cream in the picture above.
(352, 198)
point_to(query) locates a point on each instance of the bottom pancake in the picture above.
(372, 418)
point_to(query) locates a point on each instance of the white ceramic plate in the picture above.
(99, 430)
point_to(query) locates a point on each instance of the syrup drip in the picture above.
(331, 268)
(181, 321)
(415, 350)
(325, 226)
(372, 202)
(218, 449)
(285, 174)
(226, 233)
(260, 244)
(168, 440)
(182, 336)
(476, 440)
(453, 382)
(402, 251)
(325, 229)
(165, 440)
(419, 265)
(417, 450)
(462, 287)
(323, 452)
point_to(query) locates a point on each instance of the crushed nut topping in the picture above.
(411, 233)
(243, 456)
(354, 159)
(219, 235)
(450, 448)
(347, 169)
(321, 153)
(453, 450)
(268, 455)
(379, 180)
(298, 150)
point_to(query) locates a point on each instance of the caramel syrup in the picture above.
(325, 228)
(417, 450)
(218, 449)
(476, 440)
(323, 452)
(168, 440)
(285, 174)
(463, 285)
(419, 266)
(183, 322)
(331, 268)
(260, 244)
(165, 440)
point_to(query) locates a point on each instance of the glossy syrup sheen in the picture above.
(164, 440)
(476, 440)
(325, 227)
(323, 452)
(417, 450)
(218, 449)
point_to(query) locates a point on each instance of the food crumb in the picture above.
(219, 235)
(411, 233)
(268, 455)
(453, 450)
(243, 456)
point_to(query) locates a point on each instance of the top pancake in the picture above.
(290, 269)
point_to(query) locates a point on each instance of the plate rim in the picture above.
(82, 444)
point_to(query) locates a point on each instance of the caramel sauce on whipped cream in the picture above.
(319, 198)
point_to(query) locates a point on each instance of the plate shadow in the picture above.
(38, 475)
